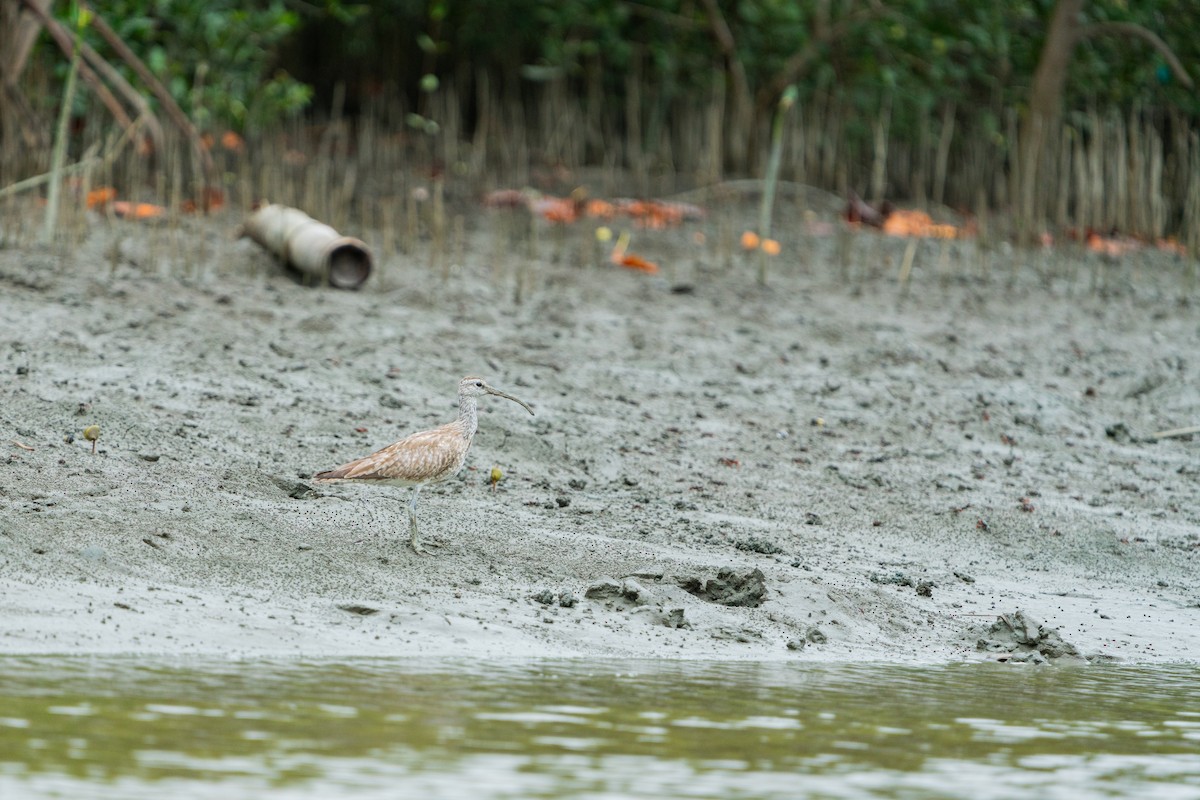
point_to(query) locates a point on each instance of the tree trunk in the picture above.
(739, 135)
(21, 32)
(1045, 108)
(19, 132)
(1042, 124)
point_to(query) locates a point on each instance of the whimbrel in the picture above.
(425, 457)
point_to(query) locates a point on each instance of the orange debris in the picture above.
(128, 210)
(658, 214)
(600, 209)
(1112, 246)
(654, 214)
(210, 200)
(899, 221)
(623, 259)
(750, 240)
(637, 262)
(771, 247)
(554, 209)
(650, 214)
(1171, 245)
(101, 196)
(906, 222)
(232, 142)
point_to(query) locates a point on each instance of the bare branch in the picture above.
(178, 118)
(66, 42)
(1132, 29)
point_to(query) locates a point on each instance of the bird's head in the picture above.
(471, 386)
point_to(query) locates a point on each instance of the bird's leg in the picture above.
(412, 521)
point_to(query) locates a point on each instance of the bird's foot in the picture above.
(418, 545)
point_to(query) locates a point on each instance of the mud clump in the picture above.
(757, 545)
(358, 608)
(737, 634)
(675, 618)
(545, 597)
(627, 592)
(813, 635)
(1025, 639)
(924, 588)
(745, 589)
(629, 595)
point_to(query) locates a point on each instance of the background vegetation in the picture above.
(925, 101)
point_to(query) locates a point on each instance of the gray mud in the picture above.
(829, 469)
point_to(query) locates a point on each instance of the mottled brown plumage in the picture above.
(425, 457)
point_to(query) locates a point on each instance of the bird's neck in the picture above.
(468, 415)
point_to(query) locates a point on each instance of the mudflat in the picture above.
(836, 467)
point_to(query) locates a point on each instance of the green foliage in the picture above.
(215, 56)
(1125, 71)
(221, 59)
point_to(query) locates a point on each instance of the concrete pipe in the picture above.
(313, 248)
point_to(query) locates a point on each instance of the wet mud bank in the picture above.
(831, 469)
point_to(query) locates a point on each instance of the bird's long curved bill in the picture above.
(521, 403)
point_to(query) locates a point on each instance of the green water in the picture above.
(128, 728)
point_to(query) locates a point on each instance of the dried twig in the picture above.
(85, 163)
(1188, 431)
(59, 154)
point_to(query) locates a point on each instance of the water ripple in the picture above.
(126, 728)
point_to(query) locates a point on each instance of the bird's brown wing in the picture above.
(419, 458)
